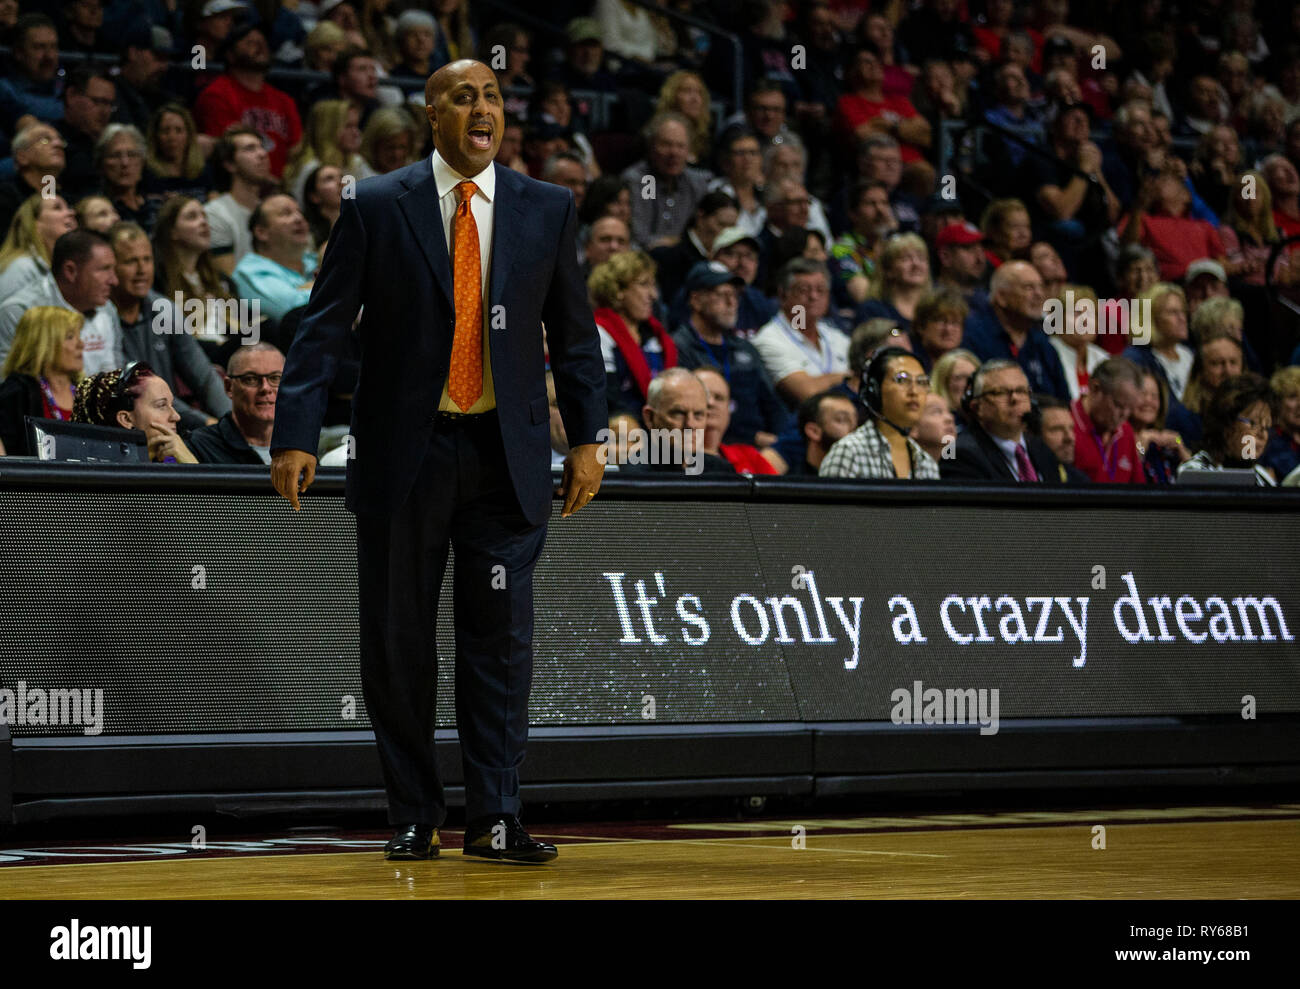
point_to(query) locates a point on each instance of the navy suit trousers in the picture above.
(462, 498)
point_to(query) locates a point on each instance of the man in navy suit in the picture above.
(996, 446)
(458, 263)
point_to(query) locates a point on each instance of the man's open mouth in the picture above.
(480, 135)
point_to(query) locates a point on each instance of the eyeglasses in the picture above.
(905, 380)
(251, 380)
(56, 141)
(796, 202)
(1004, 392)
(103, 102)
(1260, 426)
(123, 155)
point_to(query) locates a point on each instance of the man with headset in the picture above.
(894, 386)
(996, 446)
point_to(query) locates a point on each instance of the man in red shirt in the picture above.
(243, 96)
(866, 110)
(1105, 447)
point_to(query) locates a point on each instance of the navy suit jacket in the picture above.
(388, 254)
(986, 338)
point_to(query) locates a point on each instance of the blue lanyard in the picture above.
(725, 364)
(802, 343)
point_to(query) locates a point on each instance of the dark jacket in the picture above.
(757, 405)
(222, 443)
(986, 337)
(388, 253)
(979, 458)
(20, 396)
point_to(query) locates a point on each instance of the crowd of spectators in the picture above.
(1010, 240)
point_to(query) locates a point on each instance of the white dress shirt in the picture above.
(483, 208)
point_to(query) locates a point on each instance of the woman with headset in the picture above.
(894, 386)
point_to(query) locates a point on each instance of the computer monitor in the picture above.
(55, 439)
(1227, 477)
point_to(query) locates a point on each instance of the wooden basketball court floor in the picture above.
(1152, 852)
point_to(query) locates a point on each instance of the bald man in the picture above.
(1012, 328)
(457, 262)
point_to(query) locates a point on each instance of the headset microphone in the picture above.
(872, 376)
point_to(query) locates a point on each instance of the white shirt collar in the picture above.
(1008, 448)
(447, 178)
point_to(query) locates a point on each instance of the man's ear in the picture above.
(812, 432)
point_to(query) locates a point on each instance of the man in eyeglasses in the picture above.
(243, 435)
(88, 104)
(995, 445)
(38, 152)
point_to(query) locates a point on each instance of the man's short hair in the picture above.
(810, 409)
(225, 152)
(344, 60)
(1111, 373)
(77, 246)
(867, 338)
(1131, 254)
(251, 348)
(28, 23)
(1046, 401)
(258, 217)
(651, 129)
(987, 368)
(765, 86)
(410, 20)
(873, 141)
(26, 137)
(800, 266)
(79, 78)
(663, 379)
(553, 163)
(861, 187)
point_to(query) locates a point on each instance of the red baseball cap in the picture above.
(962, 233)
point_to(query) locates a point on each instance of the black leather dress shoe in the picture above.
(503, 839)
(415, 841)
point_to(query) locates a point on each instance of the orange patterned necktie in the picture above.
(465, 382)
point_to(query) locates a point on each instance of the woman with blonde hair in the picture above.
(27, 248)
(174, 161)
(378, 28)
(41, 373)
(635, 344)
(1282, 454)
(96, 213)
(950, 376)
(1249, 232)
(389, 141)
(903, 279)
(684, 92)
(331, 135)
(1167, 354)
